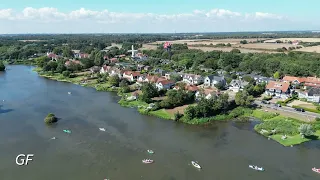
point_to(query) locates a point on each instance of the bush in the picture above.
(66, 73)
(289, 127)
(267, 98)
(177, 116)
(318, 119)
(51, 118)
(307, 109)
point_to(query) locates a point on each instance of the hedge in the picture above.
(307, 109)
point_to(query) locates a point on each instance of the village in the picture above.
(276, 90)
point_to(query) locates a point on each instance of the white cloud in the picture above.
(84, 20)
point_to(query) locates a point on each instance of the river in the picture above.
(224, 150)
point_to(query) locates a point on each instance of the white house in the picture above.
(206, 93)
(213, 80)
(192, 79)
(164, 84)
(313, 95)
(105, 69)
(131, 75)
(236, 85)
(279, 89)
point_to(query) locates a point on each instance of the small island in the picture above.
(50, 119)
(2, 66)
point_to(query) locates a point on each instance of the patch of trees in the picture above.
(50, 118)
(177, 98)
(208, 107)
(148, 91)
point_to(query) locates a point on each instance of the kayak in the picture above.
(150, 151)
(256, 168)
(147, 161)
(67, 131)
(196, 165)
(102, 129)
(316, 170)
(53, 138)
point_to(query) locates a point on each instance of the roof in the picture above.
(76, 51)
(133, 73)
(217, 78)
(152, 78)
(106, 68)
(283, 86)
(113, 59)
(293, 78)
(192, 88)
(84, 55)
(314, 92)
(165, 82)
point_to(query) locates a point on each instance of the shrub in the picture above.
(281, 126)
(306, 129)
(50, 118)
(307, 109)
(66, 73)
(267, 98)
(177, 116)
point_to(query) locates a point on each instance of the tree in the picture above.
(61, 68)
(50, 118)
(87, 63)
(114, 81)
(244, 42)
(276, 75)
(148, 91)
(235, 51)
(42, 61)
(306, 130)
(219, 86)
(98, 59)
(53, 65)
(2, 66)
(67, 52)
(243, 98)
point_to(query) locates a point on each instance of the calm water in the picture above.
(224, 150)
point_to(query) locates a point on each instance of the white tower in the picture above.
(133, 52)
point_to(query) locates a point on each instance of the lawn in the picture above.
(135, 103)
(161, 113)
(294, 140)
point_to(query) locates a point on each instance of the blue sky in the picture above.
(39, 16)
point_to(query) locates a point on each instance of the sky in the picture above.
(165, 16)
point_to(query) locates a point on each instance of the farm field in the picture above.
(293, 39)
(228, 49)
(266, 46)
(315, 49)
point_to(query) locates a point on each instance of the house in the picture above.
(52, 56)
(113, 60)
(95, 69)
(191, 88)
(131, 75)
(140, 67)
(293, 79)
(236, 85)
(69, 62)
(147, 68)
(160, 71)
(278, 89)
(83, 55)
(206, 93)
(312, 95)
(213, 80)
(192, 79)
(115, 72)
(164, 84)
(76, 53)
(105, 69)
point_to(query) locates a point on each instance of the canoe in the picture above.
(67, 131)
(196, 165)
(147, 161)
(150, 151)
(256, 168)
(316, 170)
(102, 129)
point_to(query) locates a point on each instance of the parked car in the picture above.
(265, 102)
(299, 109)
(278, 105)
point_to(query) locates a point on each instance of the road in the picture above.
(288, 109)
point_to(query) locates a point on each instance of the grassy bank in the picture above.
(283, 126)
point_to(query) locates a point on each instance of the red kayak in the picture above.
(316, 170)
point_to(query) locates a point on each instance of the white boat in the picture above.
(196, 165)
(256, 168)
(53, 138)
(147, 161)
(316, 170)
(69, 92)
(150, 151)
(102, 129)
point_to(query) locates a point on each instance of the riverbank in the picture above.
(269, 121)
(275, 126)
